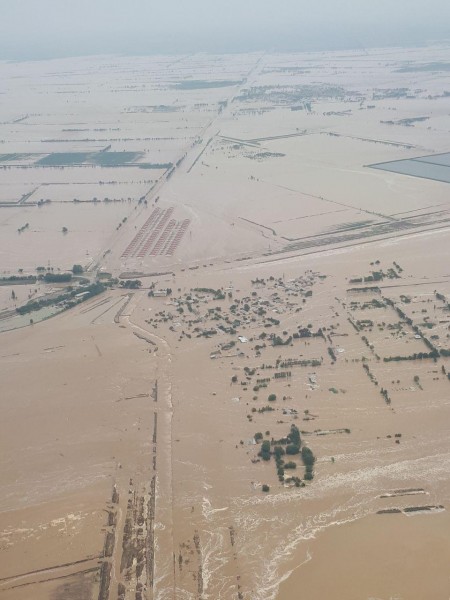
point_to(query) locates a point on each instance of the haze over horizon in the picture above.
(31, 29)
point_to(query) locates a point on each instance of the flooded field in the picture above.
(429, 167)
(225, 337)
(90, 228)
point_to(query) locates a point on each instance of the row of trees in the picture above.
(290, 445)
(68, 298)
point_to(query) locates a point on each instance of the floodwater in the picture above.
(439, 170)
(129, 461)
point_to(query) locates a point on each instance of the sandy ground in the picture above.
(129, 465)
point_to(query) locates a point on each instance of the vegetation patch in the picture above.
(203, 84)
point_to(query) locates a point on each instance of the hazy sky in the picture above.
(39, 28)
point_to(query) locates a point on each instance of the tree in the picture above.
(290, 465)
(278, 451)
(272, 398)
(65, 230)
(294, 436)
(308, 457)
(77, 269)
(265, 450)
(131, 284)
(265, 488)
(57, 277)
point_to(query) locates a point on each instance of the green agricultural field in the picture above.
(201, 84)
(63, 159)
(101, 159)
(114, 159)
(13, 157)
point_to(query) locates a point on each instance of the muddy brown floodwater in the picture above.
(265, 415)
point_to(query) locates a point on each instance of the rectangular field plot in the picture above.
(436, 159)
(391, 337)
(23, 158)
(432, 167)
(44, 243)
(326, 223)
(91, 192)
(159, 235)
(12, 193)
(103, 159)
(381, 327)
(71, 184)
(429, 312)
(61, 159)
(409, 383)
